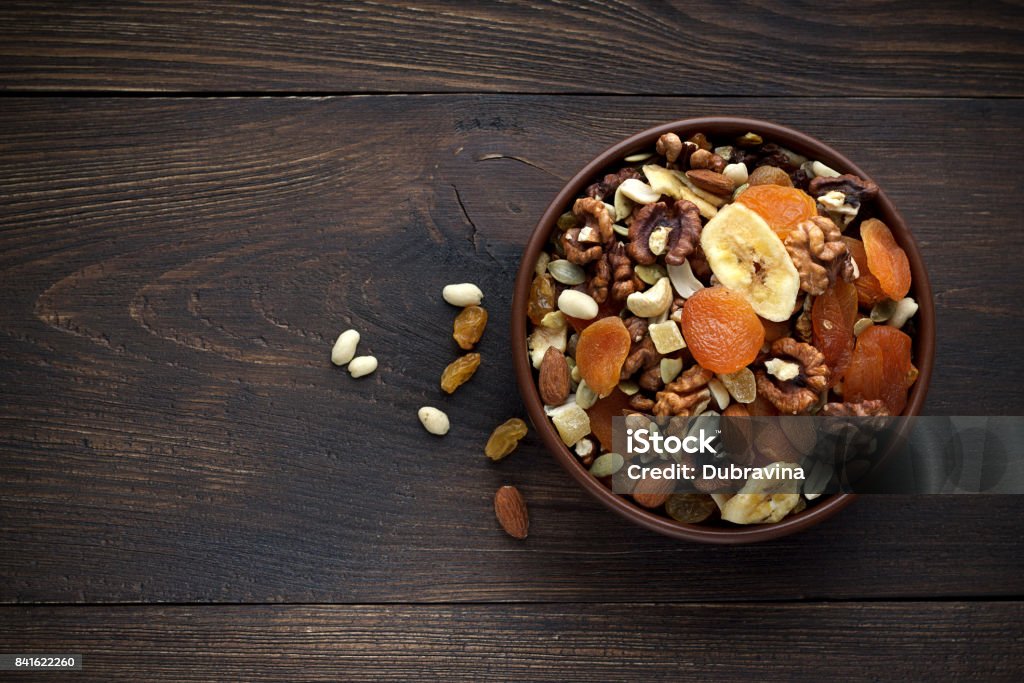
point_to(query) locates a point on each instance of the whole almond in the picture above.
(510, 509)
(652, 493)
(715, 183)
(554, 378)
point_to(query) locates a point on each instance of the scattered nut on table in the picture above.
(462, 294)
(433, 420)
(362, 366)
(345, 347)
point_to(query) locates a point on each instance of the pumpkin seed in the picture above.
(607, 465)
(861, 325)
(651, 274)
(883, 310)
(640, 156)
(628, 387)
(567, 272)
(566, 221)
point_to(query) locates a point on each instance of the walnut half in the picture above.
(796, 395)
(819, 254)
(681, 217)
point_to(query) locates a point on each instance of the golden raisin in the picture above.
(469, 326)
(459, 371)
(542, 298)
(505, 438)
(690, 508)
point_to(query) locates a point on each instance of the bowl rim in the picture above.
(924, 340)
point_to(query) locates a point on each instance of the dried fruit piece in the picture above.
(505, 438)
(459, 371)
(886, 260)
(666, 336)
(510, 509)
(542, 298)
(768, 498)
(742, 385)
(572, 423)
(600, 353)
(869, 290)
(782, 207)
(748, 258)
(601, 414)
(690, 508)
(769, 175)
(881, 368)
(833, 316)
(721, 329)
(469, 326)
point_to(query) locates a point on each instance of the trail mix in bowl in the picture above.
(728, 277)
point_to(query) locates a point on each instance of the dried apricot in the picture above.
(459, 371)
(880, 368)
(832, 318)
(600, 353)
(721, 329)
(601, 414)
(869, 290)
(469, 326)
(781, 207)
(886, 260)
(542, 298)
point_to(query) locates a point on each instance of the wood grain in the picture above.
(173, 272)
(605, 46)
(812, 642)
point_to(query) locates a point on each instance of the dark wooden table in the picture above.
(196, 198)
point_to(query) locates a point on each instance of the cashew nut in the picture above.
(904, 311)
(639, 191)
(652, 302)
(683, 279)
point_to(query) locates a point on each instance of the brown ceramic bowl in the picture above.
(717, 128)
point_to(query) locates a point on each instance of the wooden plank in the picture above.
(813, 642)
(173, 274)
(700, 47)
